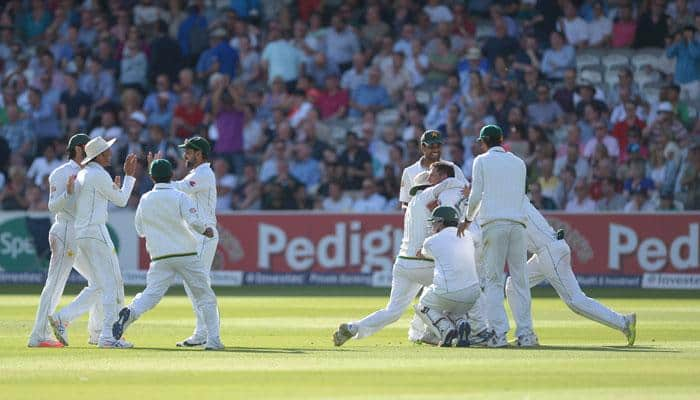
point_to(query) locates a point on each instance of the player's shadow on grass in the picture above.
(625, 349)
(237, 349)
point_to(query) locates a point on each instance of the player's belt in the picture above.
(415, 258)
(173, 256)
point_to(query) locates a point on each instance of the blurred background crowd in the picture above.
(319, 104)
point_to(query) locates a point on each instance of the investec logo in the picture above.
(652, 253)
(347, 246)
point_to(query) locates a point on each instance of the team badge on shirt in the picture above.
(193, 183)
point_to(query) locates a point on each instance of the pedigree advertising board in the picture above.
(648, 250)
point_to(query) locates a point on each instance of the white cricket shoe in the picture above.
(630, 330)
(497, 341)
(214, 344)
(527, 341)
(344, 333)
(192, 341)
(429, 338)
(112, 343)
(60, 329)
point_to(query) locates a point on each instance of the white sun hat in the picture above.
(94, 147)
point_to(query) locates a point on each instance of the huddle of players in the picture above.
(458, 251)
(177, 220)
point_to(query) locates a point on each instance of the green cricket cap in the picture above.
(490, 131)
(79, 139)
(444, 214)
(431, 136)
(197, 143)
(160, 169)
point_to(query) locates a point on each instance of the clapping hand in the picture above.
(208, 233)
(150, 157)
(130, 165)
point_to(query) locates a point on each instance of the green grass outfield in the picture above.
(279, 346)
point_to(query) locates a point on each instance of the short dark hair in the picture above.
(450, 223)
(444, 168)
(493, 141)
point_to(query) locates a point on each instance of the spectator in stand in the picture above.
(652, 26)
(600, 27)
(602, 136)
(637, 179)
(356, 161)
(134, 66)
(665, 123)
(624, 27)
(165, 57)
(42, 117)
(188, 116)
(369, 201)
(246, 196)
(547, 180)
(337, 201)
(13, 195)
(545, 112)
(281, 59)
(499, 106)
(573, 27)
(374, 29)
(539, 200)
(572, 159)
(369, 97)
(249, 61)
(437, 12)
(667, 203)
(565, 93)
(680, 107)
(42, 166)
(108, 127)
(582, 201)
(610, 200)
(225, 184)
(220, 57)
(279, 192)
(472, 62)
(395, 76)
(16, 132)
(229, 118)
(624, 90)
(690, 179)
(588, 96)
(565, 190)
(341, 43)
(438, 112)
(639, 202)
(559, 58)
(74, 104)
(686, 50)
(357, 75)
(333, 101)
(501, 44)
(162, 113)
(98, 83)
(442, 62)
(304, 168)
(159, 142)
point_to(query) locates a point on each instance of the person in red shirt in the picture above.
(188, 115)
(631, 122)
(624, 28)
(333, 102)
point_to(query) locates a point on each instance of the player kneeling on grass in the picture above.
(455, 286)
(551, 260)
(164, 217)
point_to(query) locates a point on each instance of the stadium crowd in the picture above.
(319, 104)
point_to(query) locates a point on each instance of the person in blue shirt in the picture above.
(220, 57)
(371, 96)
(194, 22)
(687, 51)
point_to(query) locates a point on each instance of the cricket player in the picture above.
(200, 185)
(431, 147)
(166, 218)
(455, 287)
(497, 190)
(410, 273)
(63, 247)
(95, 247)
(551, 260)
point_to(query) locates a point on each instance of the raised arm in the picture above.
(111, 191)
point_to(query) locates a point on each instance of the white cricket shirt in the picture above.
(415, 224)
(96, 189)
(200, 185)
(455, 268)
(163, 218)
(498, 187)
(539, 232)
(60, 202)
(410, 172)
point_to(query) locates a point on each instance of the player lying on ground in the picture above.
(455, 288)
(551, 260)
(164, 217)
(410, 273)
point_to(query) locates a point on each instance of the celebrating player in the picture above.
(166, 218)
(455, 288)
(95, 248)
(62, 244)
(551, 260)
(497, 190)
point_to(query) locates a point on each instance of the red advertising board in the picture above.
(612, 245)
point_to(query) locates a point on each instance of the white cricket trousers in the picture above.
(408, 277)
(161, 274)
(97, 252)
(63, 259)
(553, 263)
(504, 241)
(206, 253)
(453, 304)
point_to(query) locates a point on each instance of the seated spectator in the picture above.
(637, 179)
(548, 182)
(74, 104)
(395, 76)
(13, 195)
(600, 27)
(417, 63)
(441, 63)
(42, 166)
(246, 196)
(188, 116)
(545, 112)
(162, 114)
(557, 59)
(689, 181)
(225, 184)
(279, 152)
(528, 56)
(437, 12)
(582, 202)
(333, 101)
(98, 83)
(602, 136)
(500, 105)
(439, 110)
(587, 96)
(652, 27)
(341, 43)
(133, 68)
(304, 168)
(573, 27)
(357, 75)
(624, 27)
(639, 202)
(320, 69)
(108, 127)
(336, 201)
(629, 122)
(219, 57)
(571, 159)
(665, 122)
(160, 143)
(564, 94)
(680, 107)
(16, 132)
(374, 28)
(278, 193)
(281, 59)
(501, 44)
(162, 88)
(472, 62)
(540, 201)
(516, 142)
(356, 162)
(185, 82)
(667, 203)
(42, 117)
(565, 190)
(610, 200)
(369, 97)
(369, 201)
(624, 90)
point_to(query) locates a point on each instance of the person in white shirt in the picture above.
(63, 247)
(168, 218)
(582, 202)
(95, 247)
(639, 202)
(200, 185)
(431, 148)
(370, 201)
(551, 260)
(498, 187)
(455, 288)
(573, 27)
(410, 272)
(602, 136)
(225, 183)
(600, 27)
(438, 12)
(337, 201)
(42, 166)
